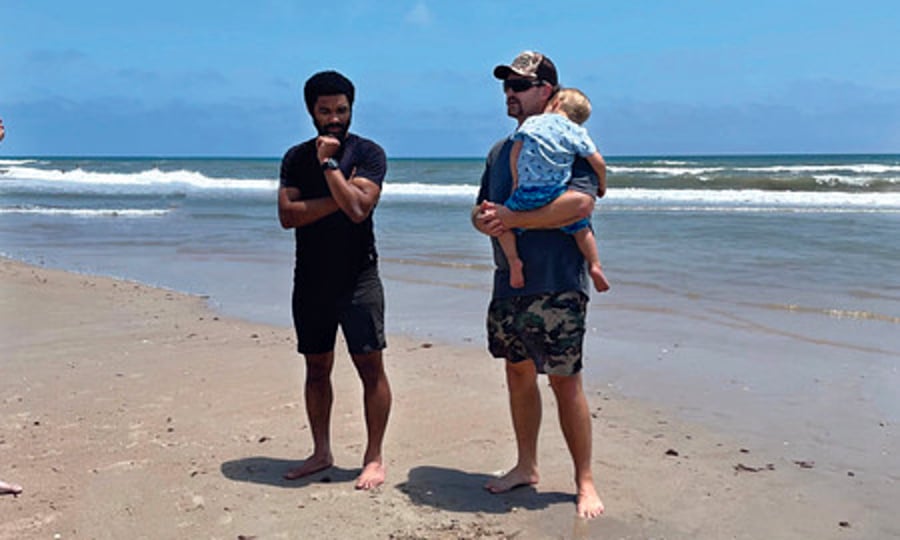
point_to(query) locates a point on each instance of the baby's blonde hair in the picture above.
(574, 103)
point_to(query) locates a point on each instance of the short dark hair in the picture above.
(326, 83)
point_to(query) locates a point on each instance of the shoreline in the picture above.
(128, 408)
(477, 157)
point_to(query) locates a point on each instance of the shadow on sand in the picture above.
(438, 487)
(269, 471)
(459, 491)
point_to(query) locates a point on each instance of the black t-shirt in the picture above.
(331, 252)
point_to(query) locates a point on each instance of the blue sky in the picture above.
(204, 78)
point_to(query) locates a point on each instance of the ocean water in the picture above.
(750, 283)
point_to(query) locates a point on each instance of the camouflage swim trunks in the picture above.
(548, 328)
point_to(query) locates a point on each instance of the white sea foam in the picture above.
(659, 199)
(677, 169)
(151, 178)
(756, 198)
(840, 179)
(669, 171)
(89, 212)
(157, 181)
(10, 162)
(861, 168)
(417, 189)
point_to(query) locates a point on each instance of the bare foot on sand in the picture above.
(312, 465)
(512, 480)
(588, 504)
(10, 489)
(372, 476)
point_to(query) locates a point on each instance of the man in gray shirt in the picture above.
(540, 327)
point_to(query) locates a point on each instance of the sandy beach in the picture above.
(133, 412)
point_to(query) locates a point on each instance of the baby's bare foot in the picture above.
(600, 281)
(516, 274)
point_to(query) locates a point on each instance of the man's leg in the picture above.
(377, 402)
(525, 408)
(575, 421)
(319, 396)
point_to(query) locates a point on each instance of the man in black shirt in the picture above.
(329, 188)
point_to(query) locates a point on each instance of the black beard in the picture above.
(341, 135)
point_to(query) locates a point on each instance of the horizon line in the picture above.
(460, 158)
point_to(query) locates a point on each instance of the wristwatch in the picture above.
(330, 164)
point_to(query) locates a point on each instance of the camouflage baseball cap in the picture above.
(533, 65)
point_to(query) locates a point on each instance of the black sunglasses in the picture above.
(520, 85)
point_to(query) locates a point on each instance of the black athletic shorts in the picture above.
(359, 312)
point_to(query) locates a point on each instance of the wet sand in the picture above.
(133, 412)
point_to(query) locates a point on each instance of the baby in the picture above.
(544, 149)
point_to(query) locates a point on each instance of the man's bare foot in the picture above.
(10, 489)
(372, 476)
(516, 274)
(312, 465)
(588, 504)
(511, 480)
(600, 282)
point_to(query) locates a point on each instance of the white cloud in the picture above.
(419, 15)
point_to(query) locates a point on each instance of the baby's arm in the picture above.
(514, 163)
(599, 165)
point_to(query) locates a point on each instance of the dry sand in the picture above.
(131, 412)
